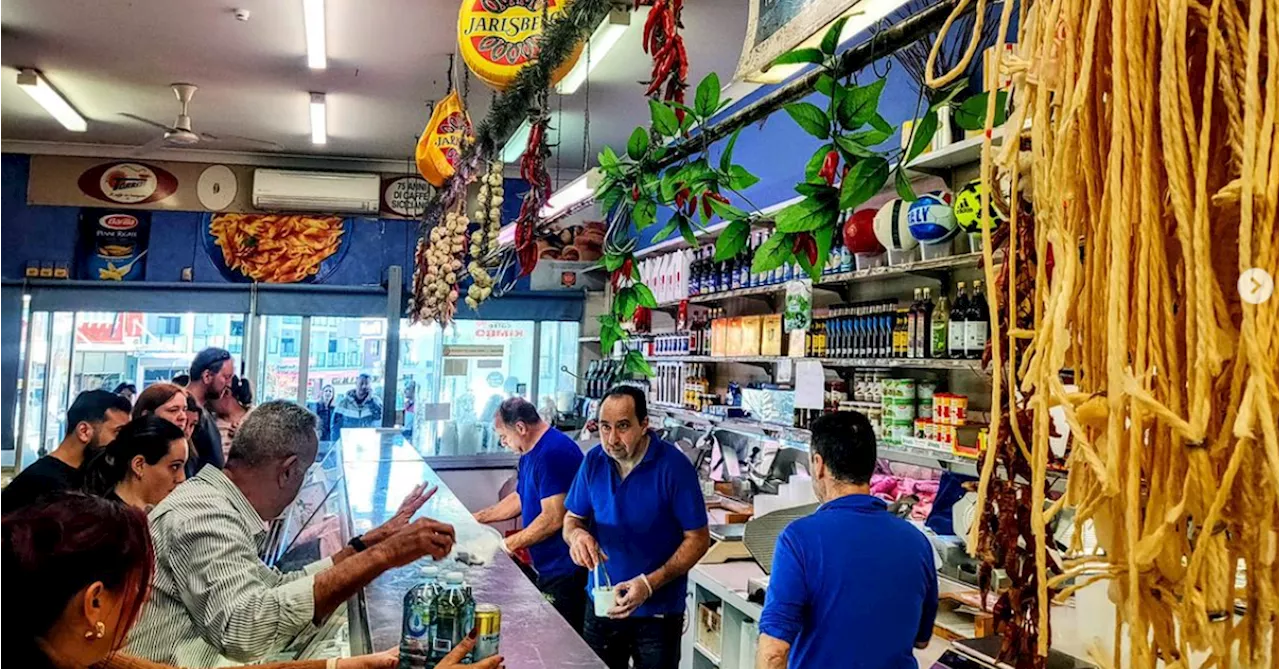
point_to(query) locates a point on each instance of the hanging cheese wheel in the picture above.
(499, 37)
(441, 142)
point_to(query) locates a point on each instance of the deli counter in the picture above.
(357, 484)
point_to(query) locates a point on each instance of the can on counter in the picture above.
(488, 631)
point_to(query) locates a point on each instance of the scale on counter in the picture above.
(981, 654)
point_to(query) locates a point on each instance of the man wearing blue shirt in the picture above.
(852, 585)
(549, 460)
(636, 510)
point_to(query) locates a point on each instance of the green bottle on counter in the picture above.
(415, 631)
(453, 615)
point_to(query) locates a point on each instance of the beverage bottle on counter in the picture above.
(938, 328)
(415, 630)
(913, 325)
(452, 616)
(955, 328)
(976, 324)
(924, 328)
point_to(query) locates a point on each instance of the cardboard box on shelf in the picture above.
(751, 335)
(771, 334)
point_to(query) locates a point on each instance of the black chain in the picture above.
(586, 112)
(448, 77)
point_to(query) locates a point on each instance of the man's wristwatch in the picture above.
(357, 542)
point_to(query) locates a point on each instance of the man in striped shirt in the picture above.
(213, 601)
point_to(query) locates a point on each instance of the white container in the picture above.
(904, 257)
(867, 261)
(939, 250)
(975, 242)
(603, 596)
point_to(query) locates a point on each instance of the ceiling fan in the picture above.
(180, 134)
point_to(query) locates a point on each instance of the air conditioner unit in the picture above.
(293, 190)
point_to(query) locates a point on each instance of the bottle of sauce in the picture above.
(977, 324)
(924, 327)
(938, 328)
(955, 328)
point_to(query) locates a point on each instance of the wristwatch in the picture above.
(357, 542)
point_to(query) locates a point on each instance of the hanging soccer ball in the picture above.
(860, 233)
(892, 228)
(968, 208)
(930, 218)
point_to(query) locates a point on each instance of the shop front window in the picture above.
(558, 351)
(341, 351)
(125, 347)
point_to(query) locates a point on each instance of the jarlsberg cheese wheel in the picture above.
(892, 228)
(499, 37)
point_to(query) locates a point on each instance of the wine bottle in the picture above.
(924, 327)
(955, 328)
(938, 328)
(913, 325)
(976, 325)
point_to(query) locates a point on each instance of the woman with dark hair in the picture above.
(144, 463)
(165, 400)
(230, 408)
(78, 569)
(323, 409)
(127, 390)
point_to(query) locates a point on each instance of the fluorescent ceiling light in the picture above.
(602, 40)
(319, 120)
(39, 89)
(313, 19)
(514, 148)
(862, 15)
(576, 191)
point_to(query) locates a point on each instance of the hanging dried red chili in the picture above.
(662, 40)
(533, 169)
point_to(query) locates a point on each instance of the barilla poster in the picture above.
(112, 244)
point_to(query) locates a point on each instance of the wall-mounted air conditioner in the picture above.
(293, 190)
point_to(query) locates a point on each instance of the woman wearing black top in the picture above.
(77, 569)
(144, 463)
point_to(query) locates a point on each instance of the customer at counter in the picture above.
(549, 460)
(636, 506)
(851, 585)
(211, 373)
(78, 567)
(212, 597)
(141, 466)
(93, 420)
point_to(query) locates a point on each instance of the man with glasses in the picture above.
(211, 373)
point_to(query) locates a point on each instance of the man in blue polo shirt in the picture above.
(549, 460)
(852, 585)
(636, 510)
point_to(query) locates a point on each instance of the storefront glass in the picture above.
(281, 350)
(557, 353)
(342, 349)
(125, 347)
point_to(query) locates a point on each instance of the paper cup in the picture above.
(604, 597)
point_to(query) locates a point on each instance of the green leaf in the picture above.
(634, 364)
(666, 230)
(831, 40)
(813, 120)
(826, 84)
(946, 97)
(645, 296)
(819, 191)
(863, 182)
(644, 213)
(922, 133)
(608, 159)
(664, 119)
(823, 237)
(686, 231)
(726, 211)
(612, 261)
(731, 240)
(972, 113)
(808, 214)
(610, 332)
(740, 178)
(726, 158)
(625, 303)
(772, 254)
(610, 198)
(857, 108)
(879, 132)
(851, 146)
(802, 55)
(668, 189)
(707, 98)
(903, 185)
(638, 144)
(814, 165)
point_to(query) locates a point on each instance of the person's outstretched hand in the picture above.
(455, 657)
(423, 536)
(412, 502)
(387, 659)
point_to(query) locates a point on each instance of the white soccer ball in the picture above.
(930, 218)
(892, 227)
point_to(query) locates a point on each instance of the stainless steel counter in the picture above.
(378, 471)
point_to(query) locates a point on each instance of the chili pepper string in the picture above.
(662, 40)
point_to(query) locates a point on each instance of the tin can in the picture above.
(488, 631)
(959, 409)
(946, 436)
(925, 390)
(942, 408)
(924, 429)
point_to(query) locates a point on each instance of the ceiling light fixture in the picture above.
(603, 39)
(573, 193)
(319, 120)
(313, 20)
(514, 148)
(39, 89)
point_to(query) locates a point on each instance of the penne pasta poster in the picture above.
(276, 248)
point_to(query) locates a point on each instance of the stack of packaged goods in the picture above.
(898, 409)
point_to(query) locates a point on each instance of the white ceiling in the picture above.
(387, 59)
